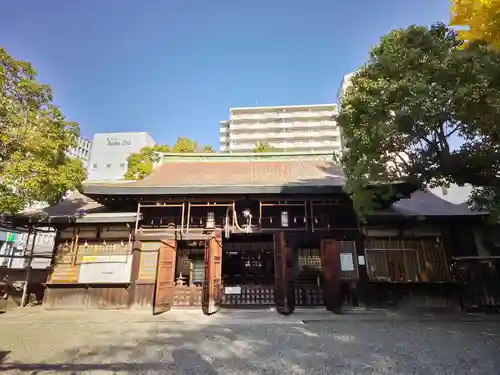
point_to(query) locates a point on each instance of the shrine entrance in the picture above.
(248, 271)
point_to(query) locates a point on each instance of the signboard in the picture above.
(346, 262)
(10, 237)
(361, 260)
(113, 142)
(232, 290)
(105, 269)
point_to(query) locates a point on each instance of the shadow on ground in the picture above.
(319, 348)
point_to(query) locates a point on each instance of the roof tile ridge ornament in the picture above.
(159, 158)
(156, 157)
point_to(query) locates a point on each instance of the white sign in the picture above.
(232, 290)
(361, 260)
(105, 269)
(346, 262)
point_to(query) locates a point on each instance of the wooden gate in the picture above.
(165, 277)
(285, 303)
(213, 272)
(330, 259)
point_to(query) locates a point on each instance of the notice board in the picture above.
(105, 269)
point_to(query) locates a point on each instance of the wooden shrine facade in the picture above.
(243, 232)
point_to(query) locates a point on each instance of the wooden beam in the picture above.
(305, 215)
(283, 204)
(179, 205)
(312, 215)
(211, 205)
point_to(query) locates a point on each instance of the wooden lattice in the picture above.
(250, 295)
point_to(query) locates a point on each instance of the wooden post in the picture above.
(330, 264)
(137, 218)
(188, 217)
(285, 303)
(25, 295)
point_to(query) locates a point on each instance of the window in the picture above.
(108, 165)
(122, 165)
(94, 166)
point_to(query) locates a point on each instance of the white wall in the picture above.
(109, 153)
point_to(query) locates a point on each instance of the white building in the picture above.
(82, 150)
(346, 81)
(109, 153)
(287, 128)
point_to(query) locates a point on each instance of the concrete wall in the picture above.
(109, 153)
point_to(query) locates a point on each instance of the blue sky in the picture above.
(175, 67)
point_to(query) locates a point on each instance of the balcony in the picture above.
(287, 114)
(291, 134)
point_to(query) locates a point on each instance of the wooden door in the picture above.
(165, 275)
(283, 293)
(213, 274)
(330, 264)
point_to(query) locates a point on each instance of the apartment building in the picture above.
(346, 81)
(82, 150)
(109, 153)
(287, 128)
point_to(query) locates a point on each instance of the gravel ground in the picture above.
(63, 343)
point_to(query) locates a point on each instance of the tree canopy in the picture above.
(264, 147)
(481, 18)
(34, 139)
(141, 164)
(426, 111)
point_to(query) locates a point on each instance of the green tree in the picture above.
(480, 18)
(34, 138)
(185, 145)
(141, 164)
(263, 147)
(424, 110)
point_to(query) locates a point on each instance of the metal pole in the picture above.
(25, 296)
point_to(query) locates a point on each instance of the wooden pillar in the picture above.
(134, 273)
(25, 295)
(165, 277)
(285, 303)
(330, 259)
(211, 297)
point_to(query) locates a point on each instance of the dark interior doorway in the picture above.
(248, 270)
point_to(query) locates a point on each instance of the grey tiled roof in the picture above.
(75, 207)
(425, 203)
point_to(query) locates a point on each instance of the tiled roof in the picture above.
(244, 173)
(425, 203)
(76, 207)
(71, 205)
(190, 176)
